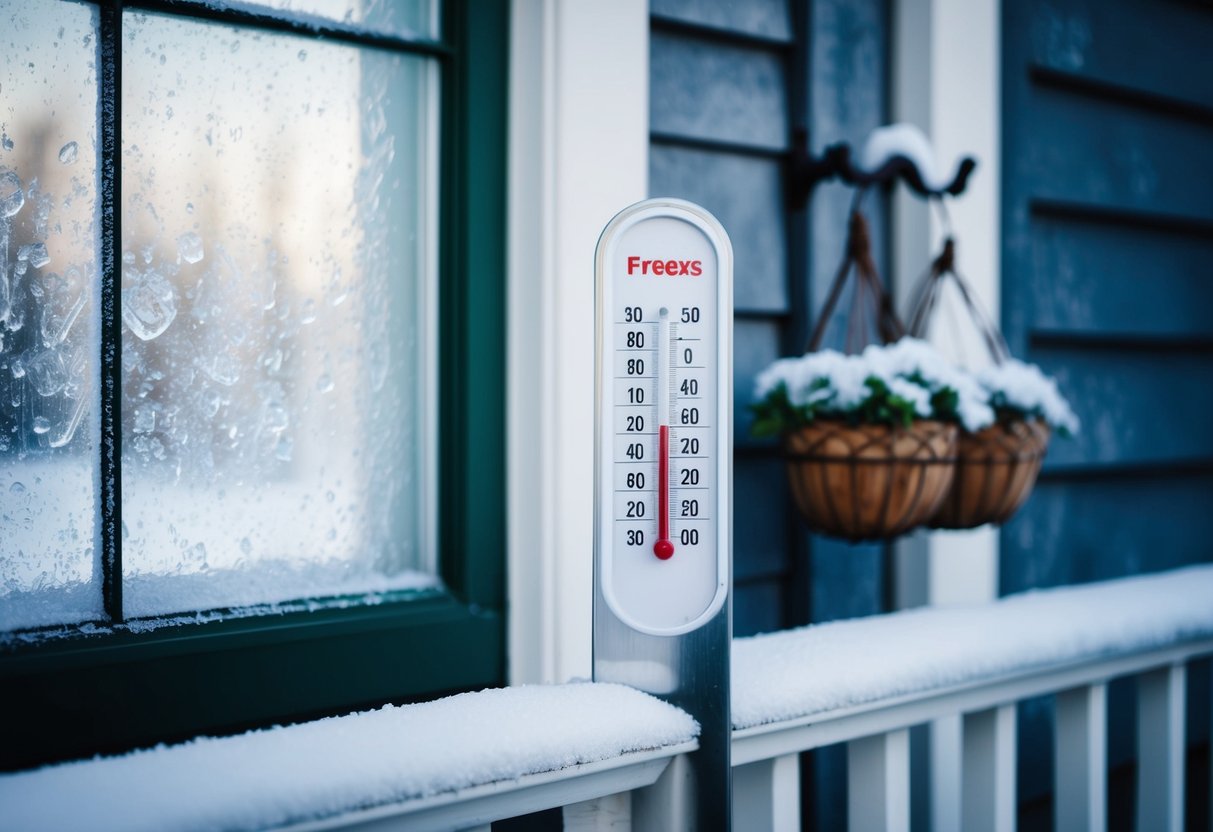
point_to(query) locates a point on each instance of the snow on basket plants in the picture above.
(870, 438)
(996, 468)
(894, 385)
(1017, 390)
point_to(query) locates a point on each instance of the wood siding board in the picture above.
(1096, 278)
(1100, 529)
(756, 607)
(717, 91)
(760, 531)
(1136, 406)
(1074, 148)
(746, 196)
(755, 345)
(1135, 44)
(759, 18)
(847, 579)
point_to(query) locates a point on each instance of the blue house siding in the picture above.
(729, 84)
(1108, 284)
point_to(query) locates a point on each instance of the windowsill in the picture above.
(156, 601)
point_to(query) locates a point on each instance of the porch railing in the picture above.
(970, 667)
(863, 682)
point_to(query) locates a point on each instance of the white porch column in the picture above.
(579, 84)
(946, 77)
(946, 81)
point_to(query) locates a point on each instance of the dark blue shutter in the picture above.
(1108, 283)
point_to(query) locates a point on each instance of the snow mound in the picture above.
(324, 768)
(885, 143)
(818, 669)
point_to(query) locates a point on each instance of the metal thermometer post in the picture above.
(663, 476)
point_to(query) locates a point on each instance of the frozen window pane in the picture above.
(48, 245)
(277, 301)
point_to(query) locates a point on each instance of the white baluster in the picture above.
(766, 794)
(878, 783)
(1081, 759)
(988, 802)
(1160, 749)
(946, 755)
(666, 806)
(612, 813)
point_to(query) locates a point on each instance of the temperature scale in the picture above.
(663, 544)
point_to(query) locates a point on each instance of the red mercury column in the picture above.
(663, 547)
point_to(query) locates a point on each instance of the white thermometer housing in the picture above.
(664, 416)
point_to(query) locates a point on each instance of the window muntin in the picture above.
(279, 244)
(48, 278)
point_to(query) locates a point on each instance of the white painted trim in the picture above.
(946, 80)
(579, 77)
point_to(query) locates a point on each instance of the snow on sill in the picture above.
(827, 667)
(333, 766)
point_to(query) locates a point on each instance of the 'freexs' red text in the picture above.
(666, 268)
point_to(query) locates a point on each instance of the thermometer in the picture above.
(663, 482)
(664, 416)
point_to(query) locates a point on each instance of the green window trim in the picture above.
(80, 693)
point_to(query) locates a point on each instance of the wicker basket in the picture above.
(995, 471)
(869, 482)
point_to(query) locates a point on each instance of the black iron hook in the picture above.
(805, 171)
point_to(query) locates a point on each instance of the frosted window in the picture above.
(48, 244)
(278, 305)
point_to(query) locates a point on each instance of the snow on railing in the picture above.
(867, 681)
(461, 762)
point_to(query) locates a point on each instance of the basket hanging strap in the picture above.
(868, 290)
(929, 291)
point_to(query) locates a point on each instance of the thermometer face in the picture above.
(663, 465)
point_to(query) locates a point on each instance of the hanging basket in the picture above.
(996, 470)
(867, 482)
